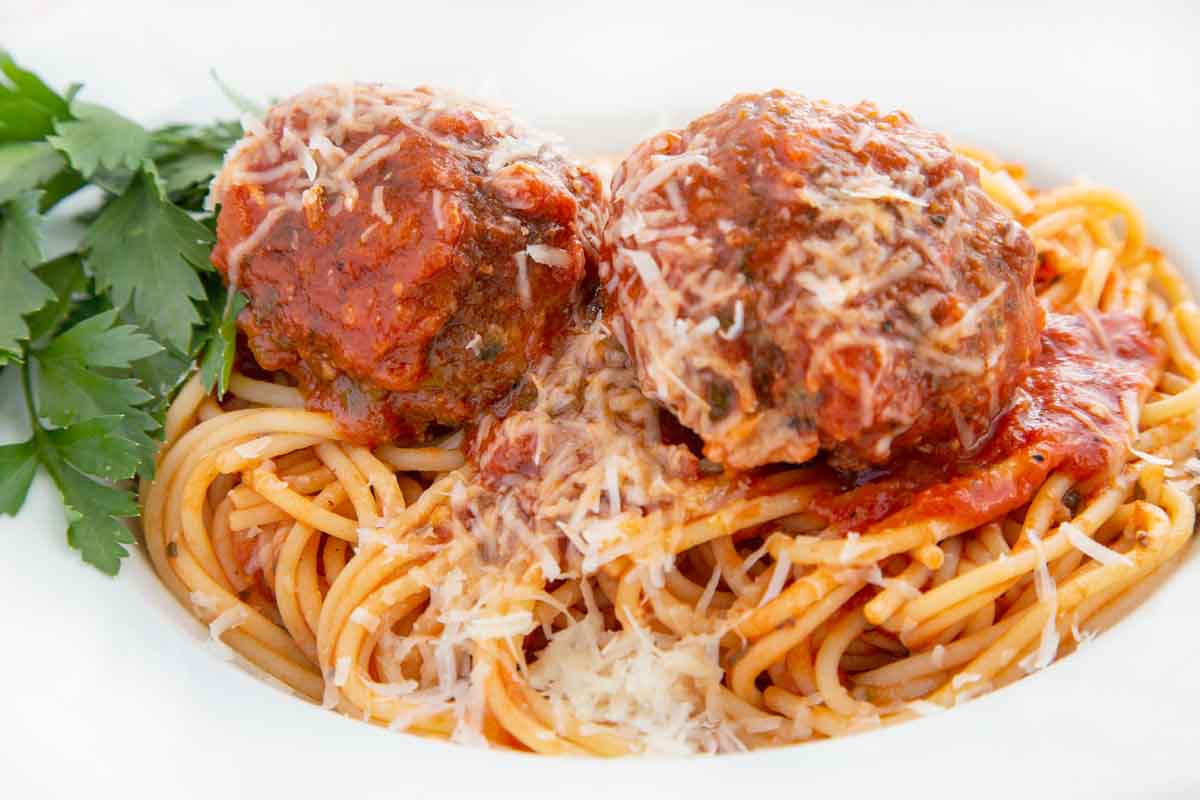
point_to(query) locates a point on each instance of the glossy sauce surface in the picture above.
(870, 300)
(1067, 414)
(396, 299)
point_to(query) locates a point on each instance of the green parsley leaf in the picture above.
(28, 107)
(161, 375)
(103, 146)
(28, 110)
(75, 384)
(96, 343)
(188, 156)
(97, 447)
(189, 169)
(67, 280)
(220, 342)
(32, 87)
(144, 252)
(94, 511)
(64, 184)
(86, 306)
(70, 392)
(20, 251)
(172, 139)
(21, 119)
(25, 166)
(18, 463)
(124, 315)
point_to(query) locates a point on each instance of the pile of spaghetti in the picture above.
(620, 598)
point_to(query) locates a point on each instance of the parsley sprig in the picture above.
(103, 334)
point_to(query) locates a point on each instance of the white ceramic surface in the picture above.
(107, 689)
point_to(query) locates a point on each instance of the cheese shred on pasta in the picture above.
(570, 580)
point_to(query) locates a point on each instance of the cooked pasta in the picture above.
(622, 598)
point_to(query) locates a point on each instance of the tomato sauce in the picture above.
(1068, 414)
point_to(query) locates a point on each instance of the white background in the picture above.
(107, 692)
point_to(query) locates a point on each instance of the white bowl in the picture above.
(108, 688)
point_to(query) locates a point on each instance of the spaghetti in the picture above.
(571, 579)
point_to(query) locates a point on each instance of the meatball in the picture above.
(407, 255)
(792, 276)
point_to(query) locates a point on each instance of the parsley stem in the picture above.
(27, 389)
(41, 440)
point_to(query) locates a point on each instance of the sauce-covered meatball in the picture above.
(794, 275)
(407, 255)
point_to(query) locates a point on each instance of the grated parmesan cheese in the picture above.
(924, 708)
(1091, 548)
(341, 672)
(550, 256)
(779, 576)
(368, 621)
(647, 689)
(938, 656)
(523, 280)
(710, 590)
(963, 679)
(1047, 592)
(739, 320)
(377, 206)
(227, 620)
(253, 448)
(851, 548)
(518, 623)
